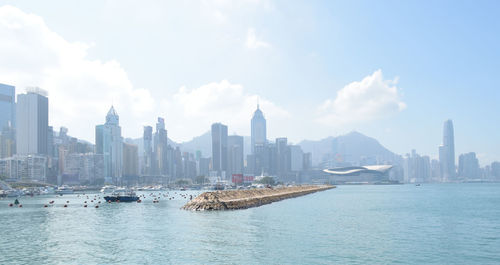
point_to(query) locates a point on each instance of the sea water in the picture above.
(393, 224)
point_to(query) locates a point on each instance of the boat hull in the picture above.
(121, 198)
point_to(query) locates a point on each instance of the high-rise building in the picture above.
(130, 162)
(148, 150)
(447, 152)
(219, 149)
(296, 158)
(283, 158)
(235, 154)
(258, 129)
(160, 148)
(109, 143)
(417, 169)
(83, 168)
(468, 166)
(32, 122)
(7, 106)
(24, 168)
(495, 170)
(7, 142)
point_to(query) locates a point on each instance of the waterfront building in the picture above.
(258, 129)
(109, 143)
(83, 169)
(160, 148)
(435, 170)
(495, 170)
(32, 122)
(417, 169)
(203, 166)
(357, 175)
(219, 149)
(307, 161)
(235, 155)
(24, 168)
(130, 163)
(148, 150)
(296, 158)
(468, 166)
(447, 153)
(7, 106)
(7, 142)
(283, 159)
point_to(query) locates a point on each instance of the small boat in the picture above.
(122, 195)
(64, 190)
(108, 189)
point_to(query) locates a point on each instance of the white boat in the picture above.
(65, 190)
(108, 189)
(13, 193)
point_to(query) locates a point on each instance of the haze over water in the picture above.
(430, 224)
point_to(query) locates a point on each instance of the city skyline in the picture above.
(141, 95)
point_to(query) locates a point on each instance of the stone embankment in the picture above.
(242, 199)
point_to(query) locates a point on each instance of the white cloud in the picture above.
(80, 90)
(194, 110)
(369, 99)
(252, 42)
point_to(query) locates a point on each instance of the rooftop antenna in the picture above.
(257, 102)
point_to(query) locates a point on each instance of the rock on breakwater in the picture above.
(243, 199)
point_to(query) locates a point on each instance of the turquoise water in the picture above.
(405, 224)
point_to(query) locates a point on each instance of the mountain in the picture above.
(351, 147)
(201, 143)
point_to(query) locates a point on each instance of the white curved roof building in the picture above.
(360, 175)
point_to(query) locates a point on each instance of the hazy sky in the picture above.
(393, 70)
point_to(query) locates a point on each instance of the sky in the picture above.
(392, 70)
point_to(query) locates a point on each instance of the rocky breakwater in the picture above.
(243, 199)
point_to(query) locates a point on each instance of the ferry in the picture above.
(122, 195)
(64, 190)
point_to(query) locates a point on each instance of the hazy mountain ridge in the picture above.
(353, 146)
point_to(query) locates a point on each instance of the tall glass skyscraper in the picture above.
(32, 122)
(447, 153)
(258, 127)
(109, 143)
(7, 106)
(219, 148)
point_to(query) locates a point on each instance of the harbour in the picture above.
(363, 224)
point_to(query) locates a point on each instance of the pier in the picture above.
(243, 199)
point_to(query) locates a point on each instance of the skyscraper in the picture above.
(447, 152)
(109, 143)
(235, 154)
(219, 149)
(32, 122)
(7, 106)
(130, 163)
(160, 148)
(258, 129)
(148, 150)
(468, 166)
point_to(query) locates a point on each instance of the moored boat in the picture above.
(64, 190)
(108, 189)
(122, 195)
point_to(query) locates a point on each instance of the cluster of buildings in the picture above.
(418, 169)
(31, 151)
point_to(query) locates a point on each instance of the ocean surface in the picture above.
(394, 224)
